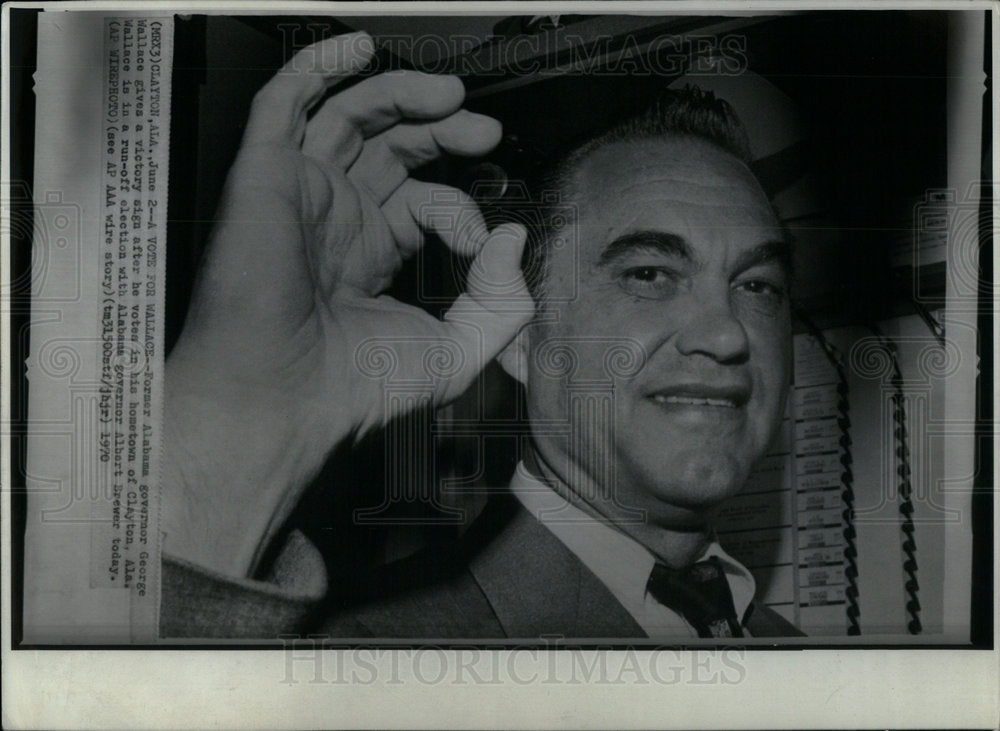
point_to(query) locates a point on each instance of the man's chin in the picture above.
(696, 485)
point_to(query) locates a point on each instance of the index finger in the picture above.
(280, 108)
(339, 127)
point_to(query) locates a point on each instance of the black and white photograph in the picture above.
(536, 344)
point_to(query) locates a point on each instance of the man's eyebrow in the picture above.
(653, 241)
(778, 250)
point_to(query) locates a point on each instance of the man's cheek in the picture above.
(771, 354)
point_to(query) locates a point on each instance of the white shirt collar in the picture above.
(621, 563)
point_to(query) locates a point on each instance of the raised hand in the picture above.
(274, 366)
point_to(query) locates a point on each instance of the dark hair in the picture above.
(688, 112)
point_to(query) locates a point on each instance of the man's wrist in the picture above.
(195, 526)
(235, 466)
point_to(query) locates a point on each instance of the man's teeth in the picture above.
(660, 398)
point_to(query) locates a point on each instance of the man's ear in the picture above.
(514, 358)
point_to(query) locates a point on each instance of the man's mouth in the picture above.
(694, 401)
(725, 396)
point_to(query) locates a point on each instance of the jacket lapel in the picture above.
(536, 586)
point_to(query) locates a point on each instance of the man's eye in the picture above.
(647, 274)
(648, 281)
(759, 286)
(762, 295)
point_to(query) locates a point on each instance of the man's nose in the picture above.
(713, 330)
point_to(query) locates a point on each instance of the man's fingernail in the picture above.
(359, 42)
(514, 231)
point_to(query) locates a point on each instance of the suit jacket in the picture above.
(508, 577)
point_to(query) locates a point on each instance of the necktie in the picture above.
(699, 593)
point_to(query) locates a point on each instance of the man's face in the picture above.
(679, 258)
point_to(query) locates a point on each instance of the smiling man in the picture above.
(677, 254)
(680, 252)
(655, 366)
